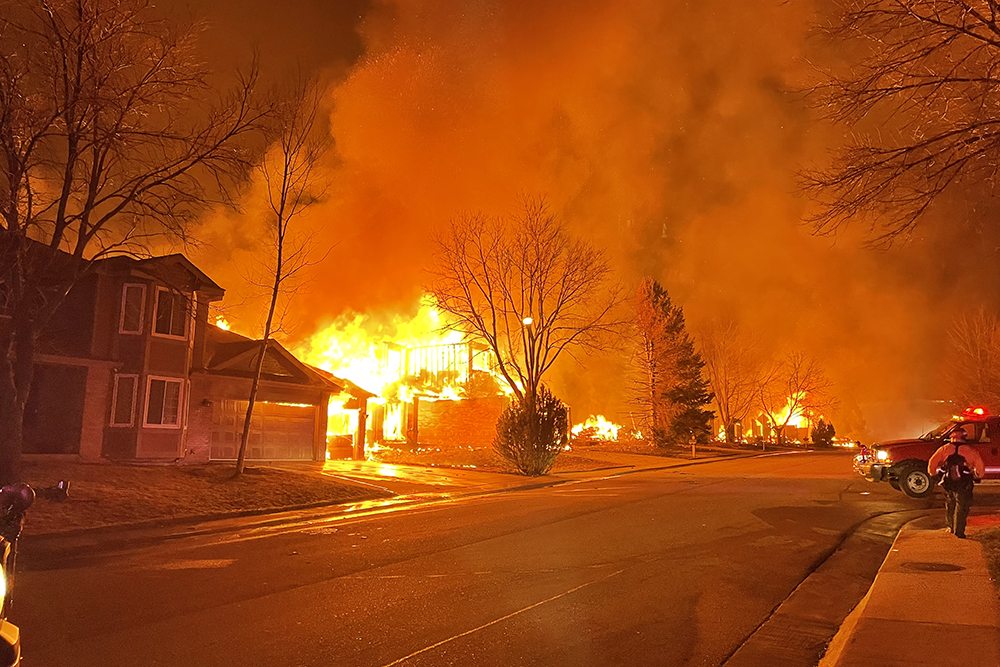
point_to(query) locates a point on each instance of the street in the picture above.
(672, 567)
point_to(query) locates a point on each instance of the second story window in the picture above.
(133, 302)
(171, 314)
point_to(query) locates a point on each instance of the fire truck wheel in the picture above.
(916, 483)
(894, 484)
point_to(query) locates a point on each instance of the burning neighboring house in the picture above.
(792, 423)
(440, 393)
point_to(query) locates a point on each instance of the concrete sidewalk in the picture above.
(932, 603)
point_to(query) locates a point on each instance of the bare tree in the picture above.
(924, 106)
(734, 370)
(290, 172)
(522, 285)
(973, 370)
(795, 385)
(110, 137)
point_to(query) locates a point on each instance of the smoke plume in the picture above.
(667, 132)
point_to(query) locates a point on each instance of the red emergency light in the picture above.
(975, 412)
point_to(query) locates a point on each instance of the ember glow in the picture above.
(596, 428)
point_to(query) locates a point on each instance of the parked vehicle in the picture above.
(15, 499)
(903, 463)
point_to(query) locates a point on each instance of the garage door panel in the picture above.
(279, 432)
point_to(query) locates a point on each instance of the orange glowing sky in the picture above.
(667, 132)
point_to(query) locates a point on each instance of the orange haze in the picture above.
(665, 131)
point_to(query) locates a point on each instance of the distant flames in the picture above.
(596, 428)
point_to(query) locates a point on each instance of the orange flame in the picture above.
(398, 360)
(596, 428)
(792, 414)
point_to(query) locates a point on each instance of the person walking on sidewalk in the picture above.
(958, 466)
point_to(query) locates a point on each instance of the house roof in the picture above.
(178, 259)
(229, 353)
(351, 388)
(174, 270)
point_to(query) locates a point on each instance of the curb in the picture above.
(797, 632)
(840, 640)
(835, 653)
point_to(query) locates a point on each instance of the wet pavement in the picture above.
(667, 566)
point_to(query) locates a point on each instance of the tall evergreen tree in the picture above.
(672, 390)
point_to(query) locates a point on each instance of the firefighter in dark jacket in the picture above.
(958, 466)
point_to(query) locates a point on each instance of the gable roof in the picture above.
(157, 266)
(229, 353)
(175, 271)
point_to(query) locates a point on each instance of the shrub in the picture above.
(530, 434)
(822, 434)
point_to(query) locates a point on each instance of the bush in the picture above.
(531, 434)
(823, 433)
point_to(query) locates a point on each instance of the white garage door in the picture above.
(278, 431)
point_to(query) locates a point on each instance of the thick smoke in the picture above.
(666, 132)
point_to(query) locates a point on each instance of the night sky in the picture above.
(668, 132)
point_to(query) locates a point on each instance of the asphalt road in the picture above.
(675, 567)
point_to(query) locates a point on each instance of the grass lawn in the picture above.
(639, 447)
(990, 539)
(106, 494)
(482, 458)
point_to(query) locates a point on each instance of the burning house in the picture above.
(437, 393)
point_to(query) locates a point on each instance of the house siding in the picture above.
(96, 412)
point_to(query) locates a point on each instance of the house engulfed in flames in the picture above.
(426, 387)
(795, 425)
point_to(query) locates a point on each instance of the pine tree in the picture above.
(672, 389)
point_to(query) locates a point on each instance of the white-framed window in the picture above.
(123, 400)
(163, 402)
(172, 314)
(133, 308)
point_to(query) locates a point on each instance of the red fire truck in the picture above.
(903, 463)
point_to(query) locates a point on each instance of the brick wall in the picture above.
(468, 423)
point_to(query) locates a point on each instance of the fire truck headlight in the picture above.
(881, 455)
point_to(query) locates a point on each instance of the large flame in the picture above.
(399, 359)
(596, 428)
(372, 353)
(792, 414)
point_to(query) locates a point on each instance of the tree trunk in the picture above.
(16, 373)
(245, 436)
(730, 432)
